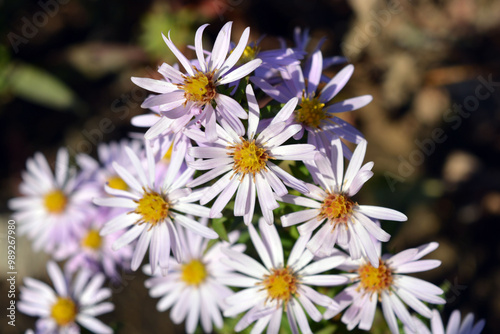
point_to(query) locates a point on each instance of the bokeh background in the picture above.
(433, 128)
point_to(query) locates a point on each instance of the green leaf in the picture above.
(40, 87)
(219, 228)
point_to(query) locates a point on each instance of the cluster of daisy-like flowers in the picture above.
(210, 153)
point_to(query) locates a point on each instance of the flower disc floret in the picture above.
(375, 280)
(337, 208)
(194, 272)
(250, 53)
(92, 240)
(199, 88)
(64, 311)
(310, 112)
(55, 201)
(281, 285)
(249, 157)
(153, 208)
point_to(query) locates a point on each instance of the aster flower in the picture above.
(275, 286)
(191, 287)
(246, 165)
(315, 114)
(93, 251)
(153, 208)
(195, 93)
(69, 305)
(52, 207)
(101, 170)
(454, 326)
(388, 284)
(345, 222)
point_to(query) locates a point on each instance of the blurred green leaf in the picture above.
(40, 87)
(219, 228)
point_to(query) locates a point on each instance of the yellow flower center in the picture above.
(116, 182)
(92, 240)
(152, 207)
(249, 53)
(337, 208)
(249, 157)
(310, 112)
(55, 201)
(281, 285)
(199, 88)
(193, 272)
(63, 311)
(375, 279)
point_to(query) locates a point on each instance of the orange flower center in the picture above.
(249, 157)
(153, 208)
(375, 279)
(337, 208)
(199, 88)
(310, 112)
(281, 285)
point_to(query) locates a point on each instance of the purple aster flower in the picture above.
(194, 94)
(52, 207)
(275, 286)
(93, 251)
(246, 163)
(101, 170)
(191, 289)
(315, 113)
(388, 284)
(71, 304)
(153, 208)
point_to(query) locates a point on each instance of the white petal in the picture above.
(378, 212)
(141, 248)
(93, 324)
(235, 54)
(57, 278)
(182, 59)
(194, 226)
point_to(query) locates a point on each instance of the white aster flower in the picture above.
(455, 326)
(388, 284)
(345, 222)
(154, 208)
(52, 207)
(246, 165)
(70, 305)
(194, 94)
(275, 286)
(101, 170)
(191, 287)
(94, 252)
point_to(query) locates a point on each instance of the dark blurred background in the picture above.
(433, 68)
